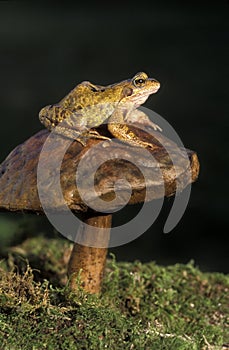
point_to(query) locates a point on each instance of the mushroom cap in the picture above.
(18, 172)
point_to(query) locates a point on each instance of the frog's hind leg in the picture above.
(69, 124)
(64, 122)
(81, 137)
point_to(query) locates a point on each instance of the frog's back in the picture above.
(75, 99)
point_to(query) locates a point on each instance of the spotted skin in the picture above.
(88, 106)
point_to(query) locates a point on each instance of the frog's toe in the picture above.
(95, 134)
(157, 127)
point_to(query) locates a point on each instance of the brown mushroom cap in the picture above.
(18, 187)
(18, 173)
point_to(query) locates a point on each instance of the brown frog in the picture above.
(88, 106)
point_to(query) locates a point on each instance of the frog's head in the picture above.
(138, 89)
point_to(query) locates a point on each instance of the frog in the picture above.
(88, 106)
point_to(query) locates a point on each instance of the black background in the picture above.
(47, 49)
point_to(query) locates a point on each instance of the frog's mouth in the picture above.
(140, 98)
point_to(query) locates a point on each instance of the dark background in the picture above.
(45, 50)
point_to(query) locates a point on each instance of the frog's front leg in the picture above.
(118, 128)
(139, 117)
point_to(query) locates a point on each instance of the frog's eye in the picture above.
(139, 82)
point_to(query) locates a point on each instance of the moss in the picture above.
(142, 306)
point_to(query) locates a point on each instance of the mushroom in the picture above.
(19, 190)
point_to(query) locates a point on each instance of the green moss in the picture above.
(142, 306)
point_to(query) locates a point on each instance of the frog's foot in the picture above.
(94, 134)
(80, 136)
(154, 126)
(139, 117)
(72, 134)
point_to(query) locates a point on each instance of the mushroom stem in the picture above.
(89, 261)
